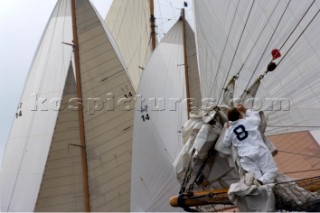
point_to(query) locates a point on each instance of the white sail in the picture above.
(31, 134)
(158, 119)
(42, 165)
(108, 119)
(62, 183)
(129, 23)
(193, 72)
(293, 84)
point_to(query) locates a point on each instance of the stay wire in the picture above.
(293, 30)
(160, 24)
(298, 24)
(265, 49)
(299, 36)
(265, 25)
(235, 53)
(224, 48)
(301, 154)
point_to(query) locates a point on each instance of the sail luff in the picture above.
(80, 108)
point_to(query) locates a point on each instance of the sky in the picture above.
(22, 23)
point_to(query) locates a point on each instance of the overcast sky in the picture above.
(22, 23)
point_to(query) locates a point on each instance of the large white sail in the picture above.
(233, 38)
(42, 165)
(108, 119)
(62, 183)
(31, 134)
(129, 23)
(160, 114)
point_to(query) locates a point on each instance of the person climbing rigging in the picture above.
(243, 133)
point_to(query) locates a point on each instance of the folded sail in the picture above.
(232, 37)
(31, 134)
(129, 23)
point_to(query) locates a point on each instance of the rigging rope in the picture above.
(236, 49)
(160, 24)
(265, 49)
(295, 153)
(224, 48)
(299, 36)
(258, 38)
(305, 13)
(309, 170)
(298, 24)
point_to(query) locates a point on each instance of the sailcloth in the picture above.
(31, 134)
(129, 23)
(62, 183)
(108, 113)
(236, 37)
(159, 116)
(42, 165)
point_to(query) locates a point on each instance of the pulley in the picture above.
(271, 67)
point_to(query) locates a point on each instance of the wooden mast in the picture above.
(153, 25)
(183, 19)
(80, 109)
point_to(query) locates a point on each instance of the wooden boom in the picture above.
(220, 196)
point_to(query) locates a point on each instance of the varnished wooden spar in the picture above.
(220, 196)
(153, 25)
(183, 19)
(80, 111)
(217, 196)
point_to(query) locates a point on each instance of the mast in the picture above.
(183, 19)
(80, 110)
(153, 25)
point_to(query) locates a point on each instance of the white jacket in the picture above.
(245, 135)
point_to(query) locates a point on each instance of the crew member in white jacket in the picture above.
(244, 135)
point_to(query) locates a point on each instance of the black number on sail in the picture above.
(19, 111)
(145, 117)
(129, 95)
(240, 132)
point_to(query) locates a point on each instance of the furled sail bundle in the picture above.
(160, 114)
(63, 157)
